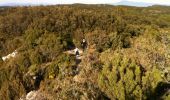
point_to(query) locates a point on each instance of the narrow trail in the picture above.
(77, 77)
(72, 52)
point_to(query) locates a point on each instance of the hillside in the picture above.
(127, 56)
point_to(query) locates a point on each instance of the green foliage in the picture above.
(122, 77)
(33, 69)
(31, 35)
(100, 39)
(36, 57)
(52, 71)
(66, 64)
(23, 61)
(11, 90)
(150, 82)
(167, 97)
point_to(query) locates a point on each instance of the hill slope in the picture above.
(127, 56)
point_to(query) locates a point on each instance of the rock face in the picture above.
(34, 95)
(12, 55)
(31, 95)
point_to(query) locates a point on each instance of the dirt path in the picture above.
(78, 57)
(72, 52)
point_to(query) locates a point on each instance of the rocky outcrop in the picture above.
(33, 95)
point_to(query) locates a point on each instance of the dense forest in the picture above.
(127, 57)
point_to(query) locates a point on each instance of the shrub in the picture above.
(36, 57)
(31, 35)
(121, 77)
(99, 38)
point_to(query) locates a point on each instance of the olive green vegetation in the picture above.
(128, 55)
